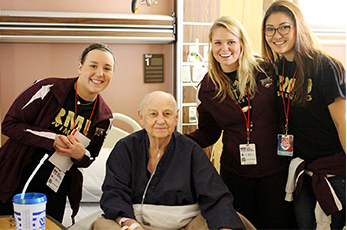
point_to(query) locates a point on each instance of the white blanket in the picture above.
(165, 217)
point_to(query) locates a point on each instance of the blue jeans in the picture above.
(305, 205)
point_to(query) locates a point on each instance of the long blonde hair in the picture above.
(248, 63)
(308, 53)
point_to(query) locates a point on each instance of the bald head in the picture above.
(158, 96)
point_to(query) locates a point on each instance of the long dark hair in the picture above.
(309, 54)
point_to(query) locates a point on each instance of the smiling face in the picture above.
(95, 74)
(226, 49)
(281, 44)
(159, 116)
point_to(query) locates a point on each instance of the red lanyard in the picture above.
(286, 108)
(90, 118)
(247, 118)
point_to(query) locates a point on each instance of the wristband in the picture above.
(131, 227)
(122, 220)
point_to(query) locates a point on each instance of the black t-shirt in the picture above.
(64, 122)
(315, 134)
(243, 102)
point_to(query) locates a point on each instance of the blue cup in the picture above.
(30, 212)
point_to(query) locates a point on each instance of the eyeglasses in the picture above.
(282, 30)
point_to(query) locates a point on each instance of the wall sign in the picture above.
(154, 68)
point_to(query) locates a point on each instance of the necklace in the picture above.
(83, 104)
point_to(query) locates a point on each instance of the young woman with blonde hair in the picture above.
(237, 96)
(312, 101)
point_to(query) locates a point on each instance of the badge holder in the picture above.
(285, 144)
(248, 154)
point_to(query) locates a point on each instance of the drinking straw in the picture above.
(33, 174)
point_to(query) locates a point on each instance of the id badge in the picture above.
(55, 179)
(247, 154)
(285, 145)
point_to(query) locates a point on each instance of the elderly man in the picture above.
(157, 178)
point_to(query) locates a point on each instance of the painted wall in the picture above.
(89, 6)
(22, 63)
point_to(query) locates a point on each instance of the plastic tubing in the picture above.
(33, 174)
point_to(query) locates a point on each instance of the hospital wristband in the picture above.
(131, 227)
(122, 220)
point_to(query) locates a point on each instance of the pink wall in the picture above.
(90, 6)
(22, 63)
(338, 51)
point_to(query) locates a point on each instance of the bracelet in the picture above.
(134, 225)
(131, 227)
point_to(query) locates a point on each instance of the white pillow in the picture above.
(93, 177)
